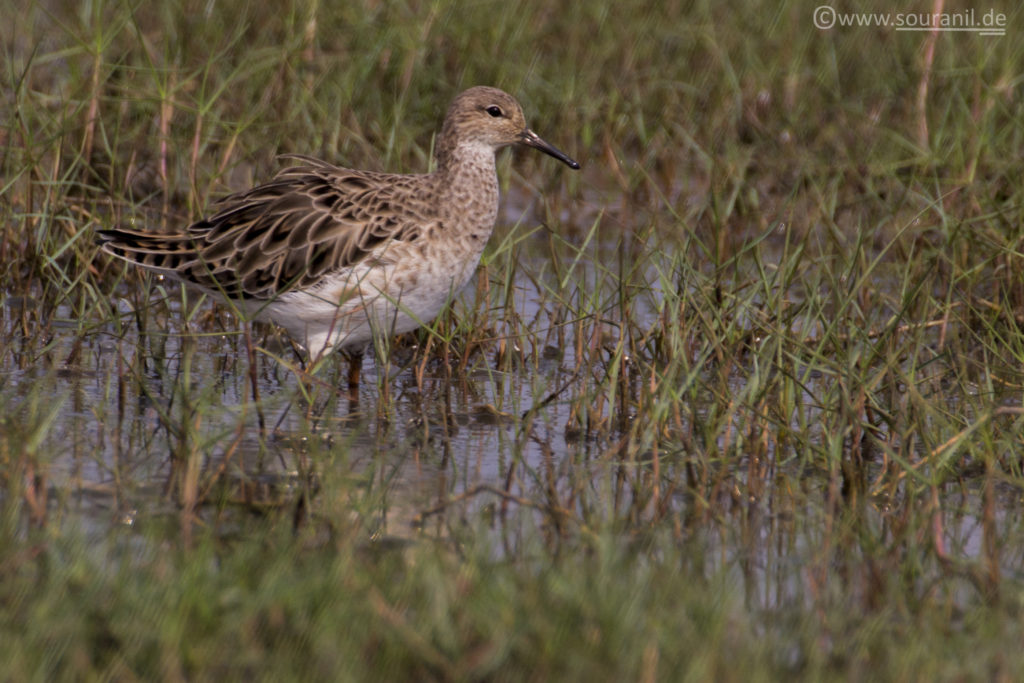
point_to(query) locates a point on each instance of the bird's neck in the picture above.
(451, 156)
(469, 182)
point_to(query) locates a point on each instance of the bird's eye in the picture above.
(494, 111)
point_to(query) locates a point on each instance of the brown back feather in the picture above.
(306, 223)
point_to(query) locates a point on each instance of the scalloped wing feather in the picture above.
(308, 222)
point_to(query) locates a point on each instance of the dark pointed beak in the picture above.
(531, 139)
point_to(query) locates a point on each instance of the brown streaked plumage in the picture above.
(334, 255)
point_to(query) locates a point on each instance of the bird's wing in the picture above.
(309, 221)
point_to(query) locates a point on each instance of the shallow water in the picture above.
(428, 444)
(430, 451)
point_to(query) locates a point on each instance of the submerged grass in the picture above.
(740, 401)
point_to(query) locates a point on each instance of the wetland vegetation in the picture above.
(741, 400)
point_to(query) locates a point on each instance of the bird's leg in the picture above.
(355, 367)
